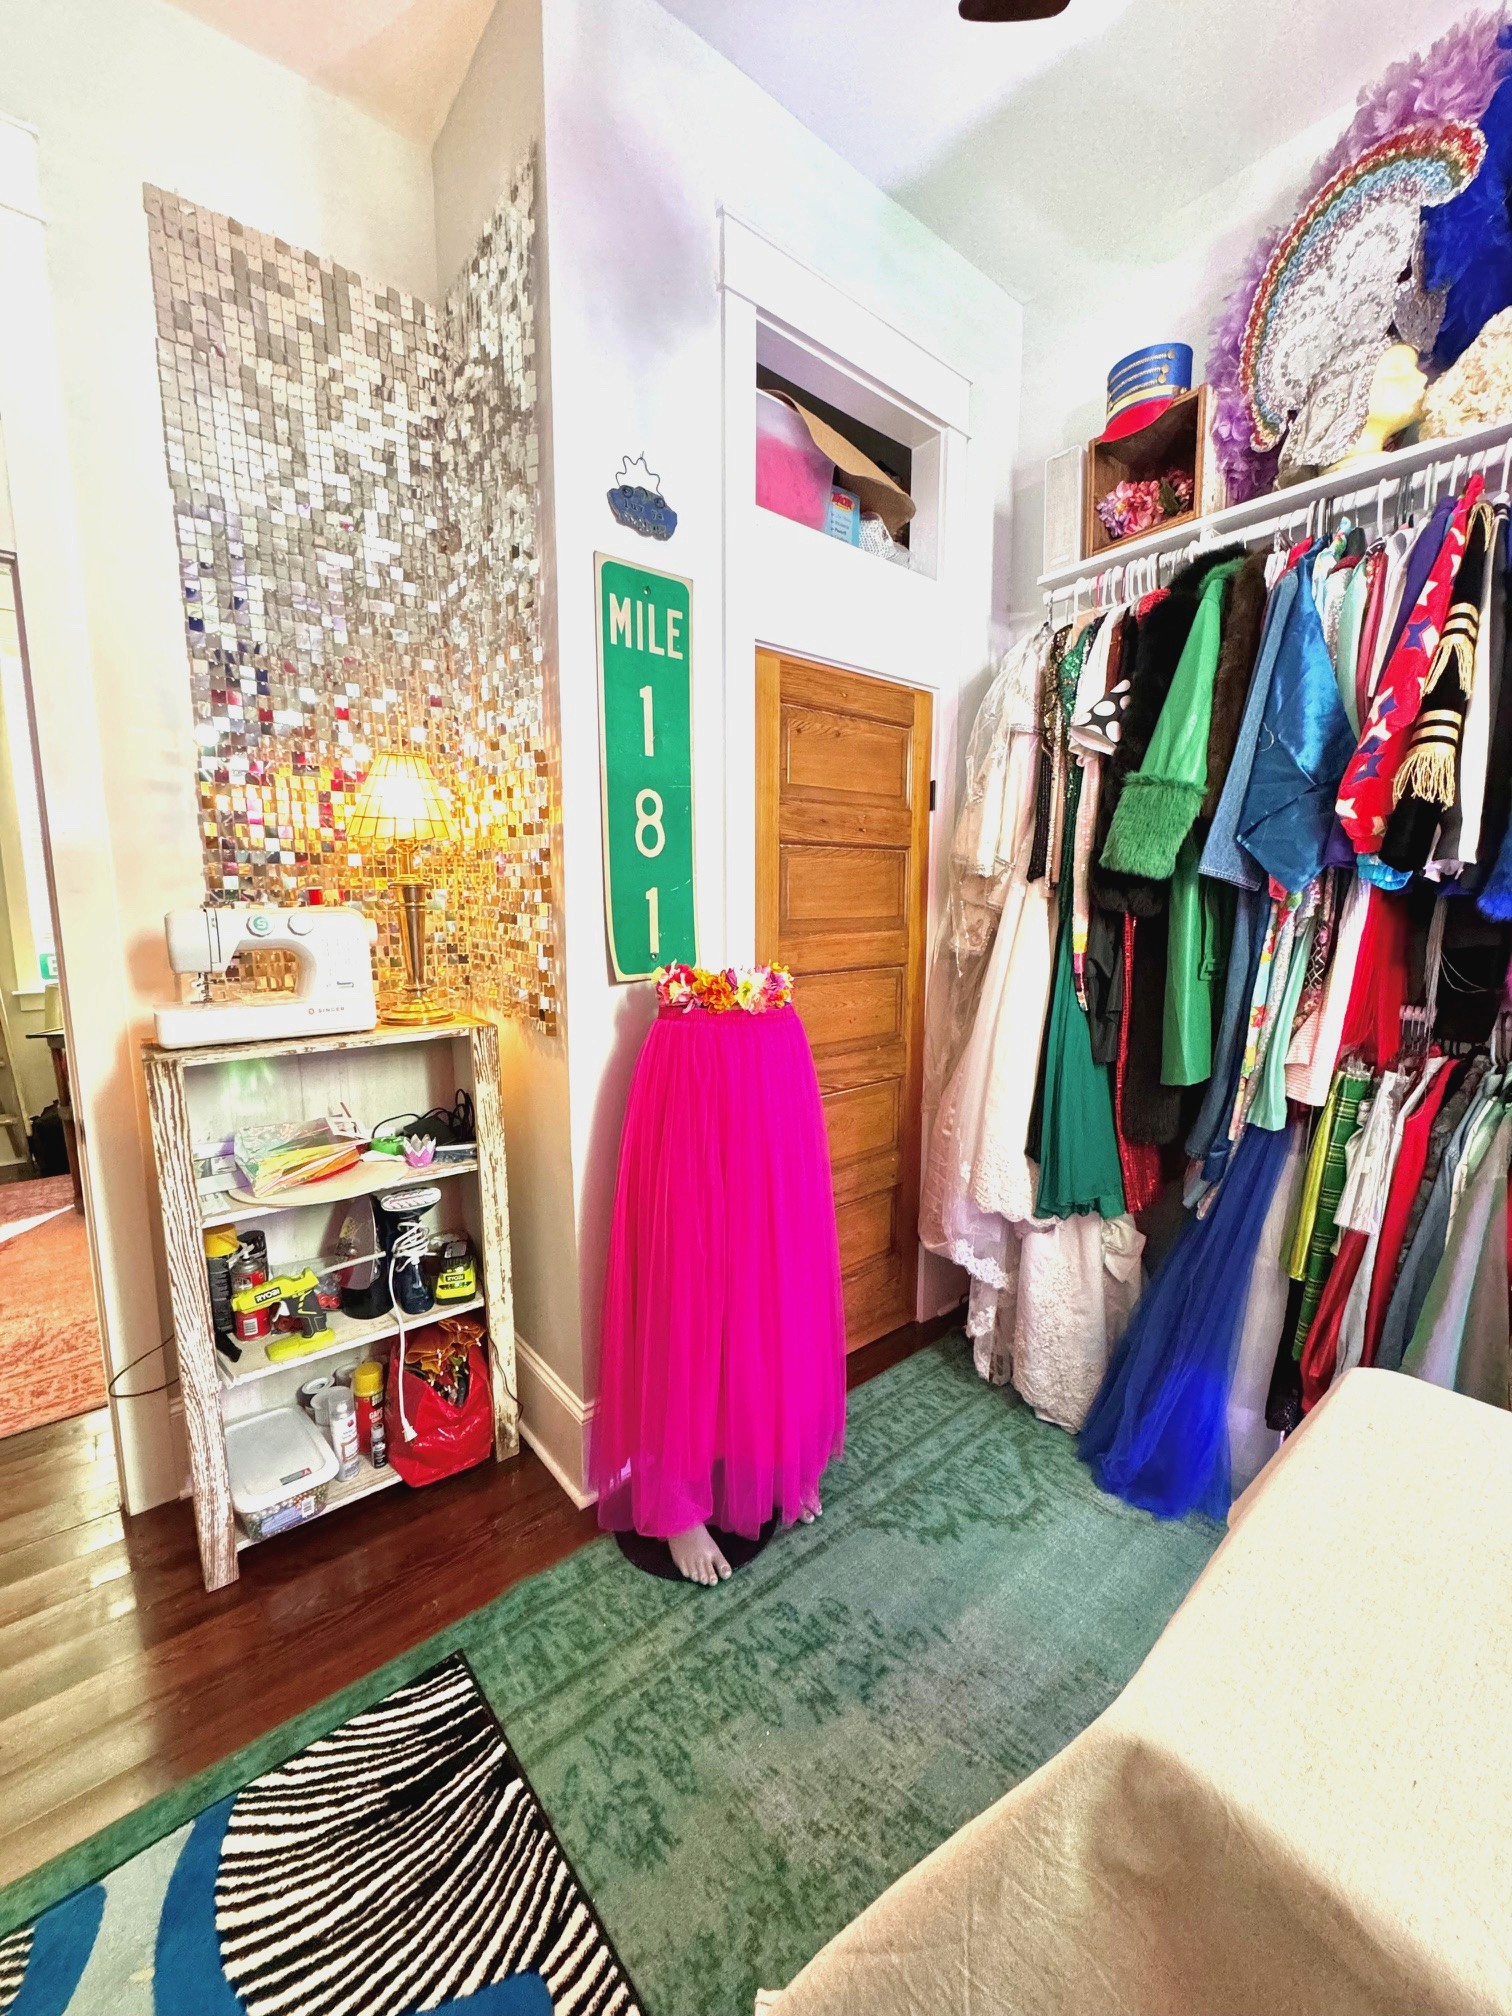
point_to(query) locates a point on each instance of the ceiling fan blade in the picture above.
(1012, 10)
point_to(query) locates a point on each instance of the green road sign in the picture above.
(645, 647)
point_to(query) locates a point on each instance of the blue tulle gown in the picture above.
(1157, 1434)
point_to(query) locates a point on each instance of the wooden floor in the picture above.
(46, 1291)
(120, 1676)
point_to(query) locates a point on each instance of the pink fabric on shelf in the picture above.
(722, 1374)
(793, 476)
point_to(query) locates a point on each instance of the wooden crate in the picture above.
(1175, 439)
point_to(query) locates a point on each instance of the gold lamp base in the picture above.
(416, 1011)
(417, 1005)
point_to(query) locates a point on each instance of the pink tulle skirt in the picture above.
(722, 1368)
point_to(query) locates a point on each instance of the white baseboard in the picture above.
(555, 1422)
(581, 1499)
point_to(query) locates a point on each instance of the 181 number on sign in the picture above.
(645, 625)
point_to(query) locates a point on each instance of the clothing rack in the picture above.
(1381, 494)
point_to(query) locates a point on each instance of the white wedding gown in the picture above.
(1048, 1298)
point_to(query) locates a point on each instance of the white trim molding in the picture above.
(92, 954)
(812, 309)
(555, 1423)
(790, 589)
(20, 183)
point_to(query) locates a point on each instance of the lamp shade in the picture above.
(399, 804)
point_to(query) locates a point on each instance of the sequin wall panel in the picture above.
(353, 477)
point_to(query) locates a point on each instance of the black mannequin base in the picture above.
(655, 1557)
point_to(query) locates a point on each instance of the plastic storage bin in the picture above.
(281, 1470)
(793, 477)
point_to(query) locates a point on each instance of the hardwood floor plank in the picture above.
(53, 1587)
(61, 1515)
(85, 1438)
(72, 1551)
(26, 1845)
(120, 1677)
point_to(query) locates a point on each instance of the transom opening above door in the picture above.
(837, 453)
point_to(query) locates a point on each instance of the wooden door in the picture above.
(842, 857)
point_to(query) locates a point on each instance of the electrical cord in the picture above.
(446, 1125)
(147, 1392)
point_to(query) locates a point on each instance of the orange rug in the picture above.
(51, 1366)
(20, 1201)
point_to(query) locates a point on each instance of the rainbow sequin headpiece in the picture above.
(1329, 294)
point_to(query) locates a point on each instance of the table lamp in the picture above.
(399, 808)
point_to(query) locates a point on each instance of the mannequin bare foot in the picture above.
(698, 1558)
(811, 1509)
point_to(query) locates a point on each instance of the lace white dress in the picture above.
(1048, 1299)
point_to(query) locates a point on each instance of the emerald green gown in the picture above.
(1077, 1140)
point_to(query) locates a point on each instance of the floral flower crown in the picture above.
(689, 987)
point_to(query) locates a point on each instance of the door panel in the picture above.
(866, 1120)
(866, 1230)
(842, 766)
(837, 888)
(844, 1011)
(828, 756)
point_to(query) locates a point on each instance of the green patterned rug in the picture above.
(736, 1773)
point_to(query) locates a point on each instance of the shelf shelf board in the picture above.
(1363, 482)
(363, 1485)
(237, 1207)
(353, 1333)
(386, 1033)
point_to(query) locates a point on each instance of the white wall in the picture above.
(499, 116)
(24, 907)
(1172, 287)
(495, 119)
(648, 134)
(123, 92)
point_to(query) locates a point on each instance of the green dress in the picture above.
(1202, 923)
(1340, 1124)
(1164, 795)
(1079, 1166)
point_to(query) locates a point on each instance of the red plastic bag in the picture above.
(447, 1437)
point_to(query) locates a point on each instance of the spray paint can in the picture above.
(220, 1254)
(252, 1244)
(250, 1324)
(335, 1412)
(367, 1391)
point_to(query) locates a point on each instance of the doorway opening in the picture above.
(52, 1361)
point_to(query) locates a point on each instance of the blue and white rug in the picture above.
(401, 1865)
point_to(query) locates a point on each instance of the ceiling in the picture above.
(893, 85)
(1037, 150)
(1036, 147)
(401, 60)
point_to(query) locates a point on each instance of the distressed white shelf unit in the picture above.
(206, 1094)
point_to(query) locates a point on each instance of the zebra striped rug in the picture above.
(401, 1864)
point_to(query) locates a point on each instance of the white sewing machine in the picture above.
(335, 990)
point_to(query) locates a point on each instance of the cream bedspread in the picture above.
(1303, 1799)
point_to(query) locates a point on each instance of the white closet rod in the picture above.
(1127, 580)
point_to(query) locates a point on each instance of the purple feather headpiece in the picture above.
(1455, 79)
